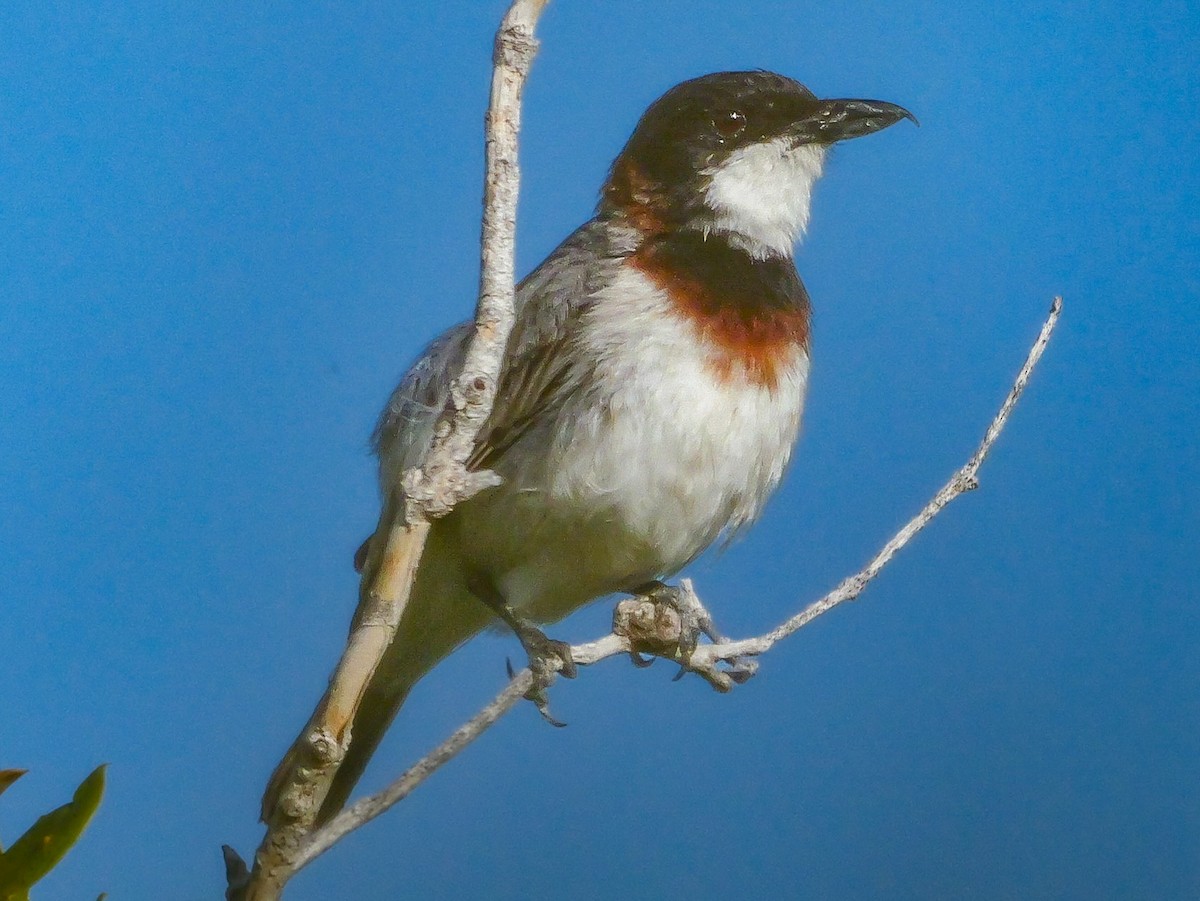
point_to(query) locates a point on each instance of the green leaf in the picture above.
(8, 777)
(37, 852)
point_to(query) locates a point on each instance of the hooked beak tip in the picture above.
(841, 120)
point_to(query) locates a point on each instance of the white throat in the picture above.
(761, 195)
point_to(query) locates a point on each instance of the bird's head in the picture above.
(735, 153)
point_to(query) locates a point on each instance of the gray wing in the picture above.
(541, 368)
(405, 428)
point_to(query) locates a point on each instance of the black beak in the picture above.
(840, 120)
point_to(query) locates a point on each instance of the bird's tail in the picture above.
(441, 614)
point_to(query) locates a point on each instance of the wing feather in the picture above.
(541, 369)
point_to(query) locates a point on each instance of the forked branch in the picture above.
(661, 625)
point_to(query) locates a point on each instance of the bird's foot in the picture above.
(663, 624)
(668, 621)
(548, 657)
(544, 653)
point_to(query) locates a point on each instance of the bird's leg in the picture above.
(547, 656)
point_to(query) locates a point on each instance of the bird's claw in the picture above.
(546, 654)
(541, 700)
(741, 669)
(547, 657)
(738, 671)
(543, 675)
(639, 661)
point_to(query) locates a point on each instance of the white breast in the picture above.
(679, 451)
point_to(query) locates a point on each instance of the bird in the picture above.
(651, 390)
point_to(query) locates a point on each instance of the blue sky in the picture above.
(225, 232)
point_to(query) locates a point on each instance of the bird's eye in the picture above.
(729, 124)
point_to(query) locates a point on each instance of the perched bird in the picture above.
(652, 386)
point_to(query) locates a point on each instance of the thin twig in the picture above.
(705, 659)
(368, 808)
(966, 479)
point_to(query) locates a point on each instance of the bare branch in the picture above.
(641, 626)
(966, 479)
(302, 779)
(368, 808)
(444, 480)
